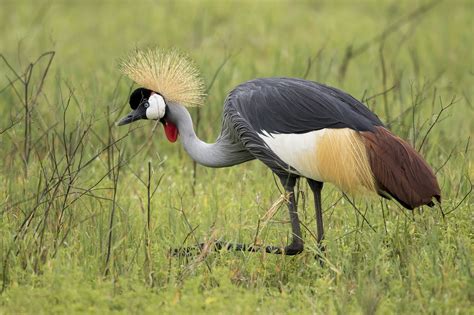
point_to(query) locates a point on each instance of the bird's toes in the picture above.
(294, 249)
(186, 251)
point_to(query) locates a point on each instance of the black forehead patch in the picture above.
(138, 96)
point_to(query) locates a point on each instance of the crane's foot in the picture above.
(214, 246)
(295, 248)
(290, 250)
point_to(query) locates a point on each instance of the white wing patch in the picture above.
(297, 150)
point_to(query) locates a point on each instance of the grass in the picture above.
(90, 211)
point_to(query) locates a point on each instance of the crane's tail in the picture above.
(399, 170)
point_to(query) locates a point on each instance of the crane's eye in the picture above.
(146, 104)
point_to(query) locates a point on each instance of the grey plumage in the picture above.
(226, 151)
(291, 106)
(273, 105)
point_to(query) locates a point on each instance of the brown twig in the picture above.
(463, 198)
(352, 51)
(358, 211)
(443, 108)
(115, 177)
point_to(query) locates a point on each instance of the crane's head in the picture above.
(147, 104)
(169, 79)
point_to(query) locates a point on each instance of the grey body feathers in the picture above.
(274, 105)
(289, 105)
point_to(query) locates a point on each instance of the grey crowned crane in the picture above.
(297, 128)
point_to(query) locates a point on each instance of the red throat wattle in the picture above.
(171, 131)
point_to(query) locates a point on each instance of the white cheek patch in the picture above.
(157, 107)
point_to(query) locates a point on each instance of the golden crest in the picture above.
(170, 73)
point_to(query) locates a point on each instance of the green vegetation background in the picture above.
(77, 237)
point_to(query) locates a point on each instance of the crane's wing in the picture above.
(290, 106)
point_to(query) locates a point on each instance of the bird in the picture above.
(296, 127)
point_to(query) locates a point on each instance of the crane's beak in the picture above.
(137, 114)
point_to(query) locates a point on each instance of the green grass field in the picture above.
(78, 233)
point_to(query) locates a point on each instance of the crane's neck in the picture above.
(224, 152)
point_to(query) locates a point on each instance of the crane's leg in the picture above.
(316, 187)
(296, 246)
